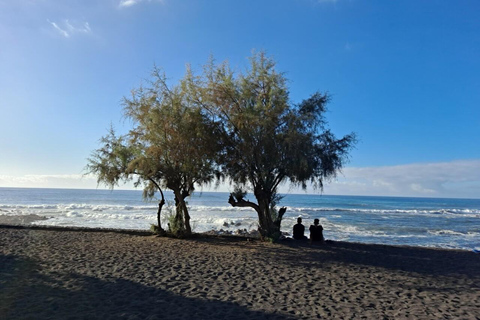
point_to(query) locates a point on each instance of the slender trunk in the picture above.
(160, 206)
(159, 212)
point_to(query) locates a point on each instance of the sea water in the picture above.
(428, 222)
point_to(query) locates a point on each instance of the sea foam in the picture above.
(422, 222)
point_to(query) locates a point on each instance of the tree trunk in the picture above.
(160, 206)
(264, 218)
(182, 217)
(186, 218)
(268, 227)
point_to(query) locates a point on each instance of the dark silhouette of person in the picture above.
(299, 230)
(316, 232)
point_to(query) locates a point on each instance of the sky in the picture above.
(403, 75)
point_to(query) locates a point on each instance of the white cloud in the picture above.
(130, 3)
(67, 29)
(443, 179)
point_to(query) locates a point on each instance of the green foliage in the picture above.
(268, 140)
(243, 124)
(176, 225)
(110, 162)
(154, 229)
(172, 145)
(239, 193)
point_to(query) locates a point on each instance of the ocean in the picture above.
(426, 222)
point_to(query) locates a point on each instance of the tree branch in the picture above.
(242, 203)
(281, 212)
(159, 189)
(277, 181)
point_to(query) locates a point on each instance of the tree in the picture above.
(172, 145)
(118, 161)
(267, 139)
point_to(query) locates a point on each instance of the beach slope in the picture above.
(79, 274)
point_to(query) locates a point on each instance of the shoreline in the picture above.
(62, 273)
(207, 234)
(444, 224)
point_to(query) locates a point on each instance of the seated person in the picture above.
(299, 230)
(316, 232)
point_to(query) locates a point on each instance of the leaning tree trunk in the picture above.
(160, 206)
(159, 212)
(186, 218)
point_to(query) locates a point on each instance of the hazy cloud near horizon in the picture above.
(445, 179)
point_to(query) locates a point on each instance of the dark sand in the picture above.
(75, 274)
(20, 219)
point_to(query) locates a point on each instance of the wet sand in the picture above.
(80, 274)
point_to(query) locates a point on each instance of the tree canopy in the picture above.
(221, 123)
(171, 145)
(267, 139)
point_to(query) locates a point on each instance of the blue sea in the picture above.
(427, 222)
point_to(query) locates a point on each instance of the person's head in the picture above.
(316, 222)
(299, 220)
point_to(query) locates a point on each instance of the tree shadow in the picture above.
(26, 293)
(420, 260)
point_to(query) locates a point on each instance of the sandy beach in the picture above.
(75, 274)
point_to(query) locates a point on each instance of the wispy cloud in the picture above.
(130, 3)
(60, 30)
(68, 29)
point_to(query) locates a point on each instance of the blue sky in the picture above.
(404, 75)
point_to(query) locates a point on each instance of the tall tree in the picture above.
(172, 145)
(267, 139)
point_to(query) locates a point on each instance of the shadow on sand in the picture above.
(427, 261)
(25, 293)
